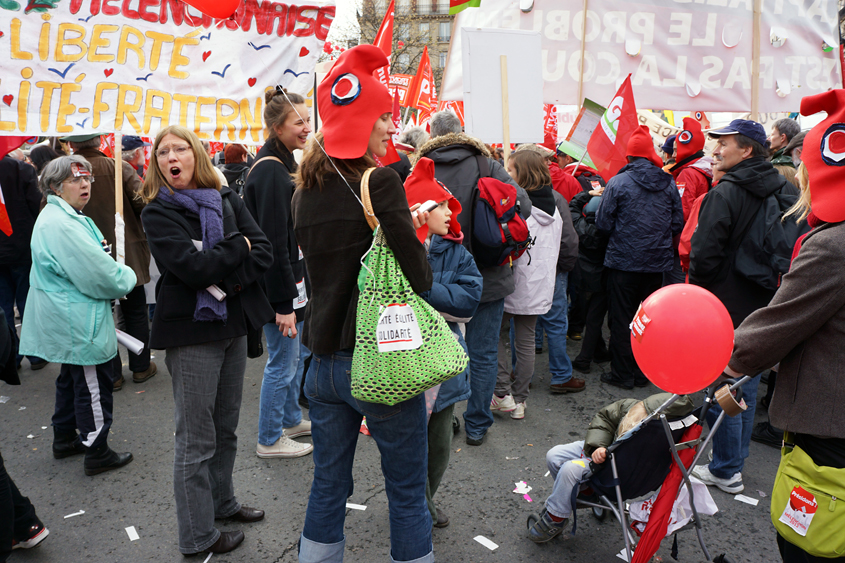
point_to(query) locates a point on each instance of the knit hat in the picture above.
(669, 146)
(641, 144)
(422, 186)
(824, 155)
(690, 140)
(350, 100)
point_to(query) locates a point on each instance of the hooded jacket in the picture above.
(533, 270)
(693, 179)
(456, 166)
(72, 282)
(455, 293)
(723, 220)
(603, 427)
(780, 158)
(641, 211)
(564, 183)
(20, 192)
(267, 194)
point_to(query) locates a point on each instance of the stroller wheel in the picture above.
(599, 513)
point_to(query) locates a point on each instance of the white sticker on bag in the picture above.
(302, 298)
(398, 329)
(800, 510)
(301, 257)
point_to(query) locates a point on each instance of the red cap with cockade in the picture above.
(824, 155)
(350, 100)
(690, 140)
(421, 186)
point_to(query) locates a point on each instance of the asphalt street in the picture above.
(476, 492)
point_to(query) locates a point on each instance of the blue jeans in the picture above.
(279, 406)
(731, 440)
(482, 338)
(14, 287)
(555, 324)
(400, 431)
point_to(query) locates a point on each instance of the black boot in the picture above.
(66, 444)
(103, 458)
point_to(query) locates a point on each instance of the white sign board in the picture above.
(682, 54)
(482, 84)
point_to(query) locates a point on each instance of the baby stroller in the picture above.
(644, 457)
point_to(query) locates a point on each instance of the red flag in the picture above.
(8, 144)
(384, 41)
(455, 107)
(609, 142)
(661, 510)
(550, 126)
(107, 145)
(5, 223)
(421, 94)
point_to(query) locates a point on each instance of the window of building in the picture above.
(404, 32)
(425, 32)
(380, 6)
(425, 6)
(444, 31)
(403, 61)
(442, 60)
(403, 7)
(442, 6)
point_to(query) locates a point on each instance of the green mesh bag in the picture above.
(402, 345)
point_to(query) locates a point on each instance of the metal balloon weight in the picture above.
(682, 338)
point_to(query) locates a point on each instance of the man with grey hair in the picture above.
(101, 210)
(415, 136)
(458, 161)
(782, 133)
(133, 153)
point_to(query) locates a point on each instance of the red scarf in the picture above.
(814, 222)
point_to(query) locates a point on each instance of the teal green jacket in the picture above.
(68, 315)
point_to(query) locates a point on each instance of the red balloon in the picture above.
(220, 9)
(682, 338)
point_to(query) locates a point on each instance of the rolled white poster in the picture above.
(129, 342)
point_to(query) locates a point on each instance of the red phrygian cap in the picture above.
(824, 155)
(421, 186)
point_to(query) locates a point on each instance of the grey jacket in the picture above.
(456, 167)
(803, 328)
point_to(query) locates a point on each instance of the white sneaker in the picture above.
(502, 404)
(284, 447)
(733, 485)
(301, 429)
(519, 412)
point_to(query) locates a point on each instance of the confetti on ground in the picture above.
(511, 458)
(485, 542)
(22, 409)
(207, 558)
(459, 449)
(547, 473)
(531, 445)
(762, 494)
(526, 497)
(30, 436)
(132, 533)
(43, 428)
(80, 513)
(522, 488)
(4, 399)
(355, 506)
(139, 392)
(746, 500)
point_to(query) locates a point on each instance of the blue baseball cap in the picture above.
(669, 146)
(750, 129)
(132, 142)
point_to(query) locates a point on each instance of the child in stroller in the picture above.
(570, 463)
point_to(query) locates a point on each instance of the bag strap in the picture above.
(483, 165)
(262, 159)
(369, 214)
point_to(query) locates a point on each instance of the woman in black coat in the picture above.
(210, 254)
(267, 195)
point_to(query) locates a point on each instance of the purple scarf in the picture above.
(208, 204)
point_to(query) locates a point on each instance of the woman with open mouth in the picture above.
(211, 255)
(69, 318)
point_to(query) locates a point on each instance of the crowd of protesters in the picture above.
(266, 246)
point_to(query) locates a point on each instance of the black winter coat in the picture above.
(231, 265)
(23, 200)
(592, 243)
(725, 215)
(267, 195)
(641, 211)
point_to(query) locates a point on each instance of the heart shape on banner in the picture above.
(220, 9)
(7, 99)
(205, 55)
(251, 82)
(108, 72)
(303, 52)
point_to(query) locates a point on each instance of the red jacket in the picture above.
(564, 183)
(693, 180)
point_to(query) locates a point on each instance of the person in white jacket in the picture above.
(534, 275)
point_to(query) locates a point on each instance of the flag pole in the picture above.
(506, 130)
(755, 61)
(583, 49)
(574, 170)
(119, 240)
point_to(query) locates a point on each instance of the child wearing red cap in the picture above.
(455, 294)
(333, 232)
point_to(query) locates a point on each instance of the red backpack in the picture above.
(499, 234)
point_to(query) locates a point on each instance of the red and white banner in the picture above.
(384, 41)
(455, 107)
(550, 129)
(421, 94)
(399, 83)
(609, 143)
